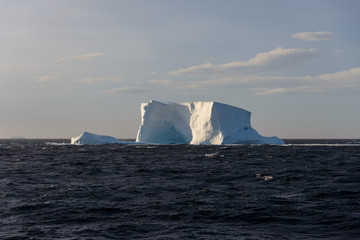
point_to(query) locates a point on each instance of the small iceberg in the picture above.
(94, 139)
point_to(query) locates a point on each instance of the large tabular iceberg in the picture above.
(197, 123)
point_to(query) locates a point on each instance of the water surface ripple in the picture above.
(60, 191)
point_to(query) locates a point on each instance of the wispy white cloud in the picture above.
(83, 57)
(302, 89)
(164, 82)
(266, 85)
(124, 90)
(341, 77)
(315, 36)
(100, 80)
(277, 58)
(46, 78)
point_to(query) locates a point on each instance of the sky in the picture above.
(71, 66)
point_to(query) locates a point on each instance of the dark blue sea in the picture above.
(306, 189)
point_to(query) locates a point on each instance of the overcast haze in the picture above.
(72, 66)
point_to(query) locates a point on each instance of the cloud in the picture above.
(352, 75)
(266, 85)
(302, 89)
(83, 57)
(338, 51)
(46, 78)
(162, 82)
(124, 90)
(314, 36)
(277, 58)
(100, 80)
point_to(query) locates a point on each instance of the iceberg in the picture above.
(188, 123)
(197, 123)
(93, 139)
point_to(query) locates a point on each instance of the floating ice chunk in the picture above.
(93, 139)
(197, 123)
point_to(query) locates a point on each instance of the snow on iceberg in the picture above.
(93, 139)
(197, 123)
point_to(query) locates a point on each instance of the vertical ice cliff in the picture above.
(197, 123)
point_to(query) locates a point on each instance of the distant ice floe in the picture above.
(95, 139)
(57, 143)
(324, 144)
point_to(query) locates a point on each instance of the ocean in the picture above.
(306, 189)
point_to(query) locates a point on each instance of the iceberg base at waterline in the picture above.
(87, 138)
(198, 123)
